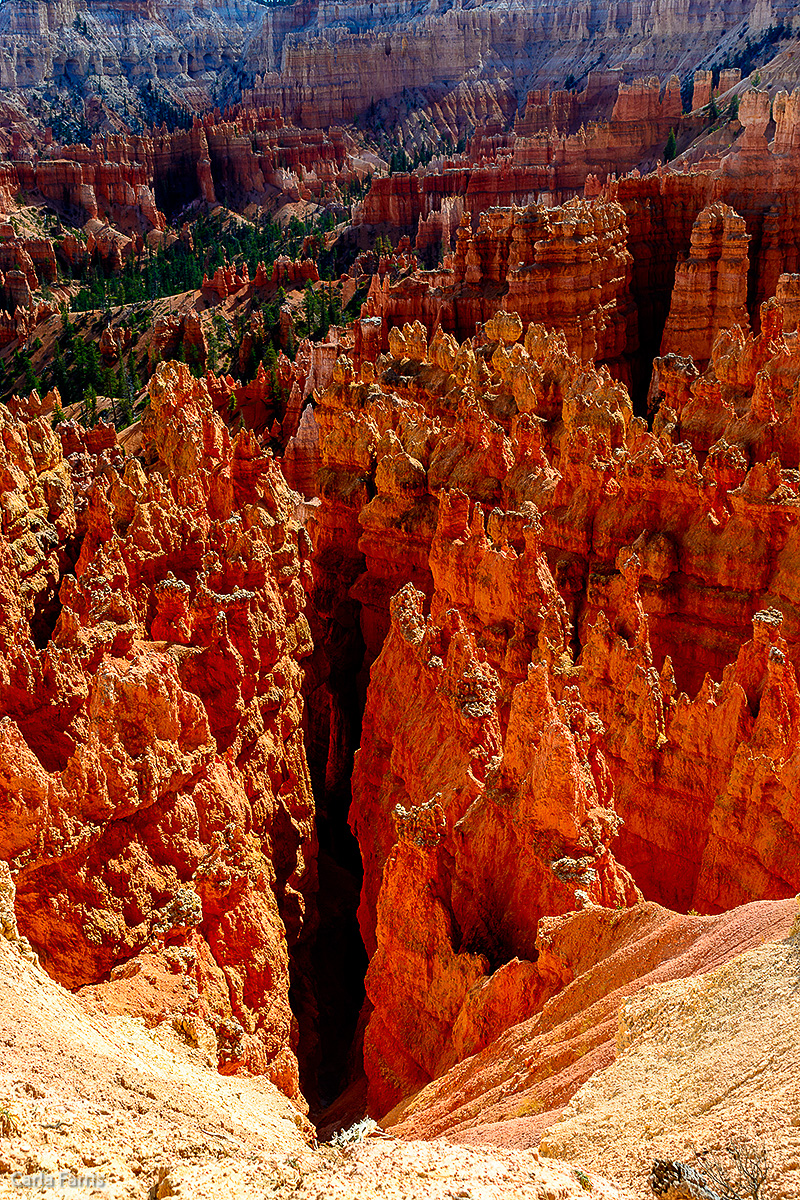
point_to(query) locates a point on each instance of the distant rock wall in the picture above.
(324, 63)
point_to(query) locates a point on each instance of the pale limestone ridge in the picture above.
(333, 60)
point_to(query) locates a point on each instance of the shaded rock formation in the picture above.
(26, 264)
(710, 291)
(333, 70)
(566, 267)
(554, 148)
(669, 1178)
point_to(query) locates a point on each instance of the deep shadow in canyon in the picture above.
(337, 958)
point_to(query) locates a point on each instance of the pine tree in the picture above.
(671, 148)
(32, 381)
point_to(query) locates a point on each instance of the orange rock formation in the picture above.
(576, 635)
(154, 783)
(710, 290)
(455, 879)
(567, 267)
(575, 565)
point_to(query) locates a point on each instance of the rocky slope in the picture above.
(99, 1097)
(697, 1060)
(595, 968)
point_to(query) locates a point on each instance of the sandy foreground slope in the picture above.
(96, 1094)
(698, 1060)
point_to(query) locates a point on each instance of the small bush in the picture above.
(737, 1171)
(356, 1133)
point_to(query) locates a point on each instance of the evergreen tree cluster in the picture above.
(79, 374)
(160, 110)
(265, 346)
(168, 271)
(322, 309)
(401, 162)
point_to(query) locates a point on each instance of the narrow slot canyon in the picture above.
(338, 959)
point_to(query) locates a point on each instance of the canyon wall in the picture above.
(326, 63)
(574, 636)
(334, 73)
(154, 784)
(620, 594)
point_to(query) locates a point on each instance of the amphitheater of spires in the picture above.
(400, 611)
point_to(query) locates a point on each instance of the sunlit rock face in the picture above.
(154, 782)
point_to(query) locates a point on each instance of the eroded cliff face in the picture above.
(481, 807)
(155, 791)
(332, 71)
(573, 566)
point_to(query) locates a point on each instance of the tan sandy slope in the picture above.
(699, 1059)
(94, 1093)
